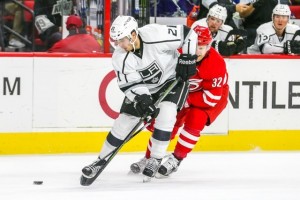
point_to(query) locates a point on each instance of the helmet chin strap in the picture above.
(132, 42)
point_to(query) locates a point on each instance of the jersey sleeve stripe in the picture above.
(210, 95)
(208, 102)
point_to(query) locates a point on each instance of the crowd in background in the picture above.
(234, 25)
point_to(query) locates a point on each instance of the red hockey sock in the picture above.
(148, 151)
(187, 140)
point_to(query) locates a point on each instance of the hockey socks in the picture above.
(187, 140)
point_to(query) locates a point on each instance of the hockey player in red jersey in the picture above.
(207, 98)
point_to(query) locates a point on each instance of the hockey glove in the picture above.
(42, 23)
(240, 45)
(225, 48)
(292, 47)
(186, 66)
(144, 106)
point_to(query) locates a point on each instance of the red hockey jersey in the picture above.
(208, 87)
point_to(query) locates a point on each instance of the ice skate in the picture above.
(91, 172)
(168, 167)
(151, 168)
(139, 166)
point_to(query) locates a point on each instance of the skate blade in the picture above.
(146, 179)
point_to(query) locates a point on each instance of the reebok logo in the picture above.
(186, 62)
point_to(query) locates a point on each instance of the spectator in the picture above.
(277, 36)
(15, 10)
(226, 44)
(78, 41)
(48, 17)
(173, 8)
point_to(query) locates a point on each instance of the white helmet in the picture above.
(219, 12)
(123, 27)
(281, 9)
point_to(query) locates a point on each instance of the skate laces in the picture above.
(171, 163)
(153, 164)
(93, 168)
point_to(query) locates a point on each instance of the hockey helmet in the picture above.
(204, 35)
(123, 27)
(218, 12)
(281, 9)
(73, 20)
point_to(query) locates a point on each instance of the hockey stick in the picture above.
(84, 181)
(297, 33)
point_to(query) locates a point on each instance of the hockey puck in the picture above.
(37, 182)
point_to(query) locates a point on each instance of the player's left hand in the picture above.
(186, 66)
(145, 107)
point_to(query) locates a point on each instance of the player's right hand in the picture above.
(145, 107)
(292, 47)
(186, 66)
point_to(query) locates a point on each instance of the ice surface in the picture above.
(202, 176)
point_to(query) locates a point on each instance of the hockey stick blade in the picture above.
(85, 181)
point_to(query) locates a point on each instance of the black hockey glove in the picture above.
(145, 107)
(186, 66)
(225, 48)
(240, 45)
(292, 46)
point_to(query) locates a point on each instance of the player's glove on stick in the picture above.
(292, 46)
(145, 106)
(186, 66)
